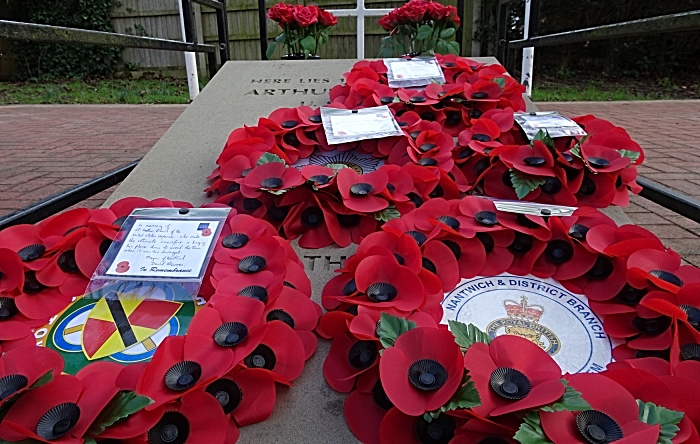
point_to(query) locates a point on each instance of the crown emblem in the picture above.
(522, 310)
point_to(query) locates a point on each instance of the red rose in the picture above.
(326, 18)
(282, 13)
(305, 16)
(434, 10)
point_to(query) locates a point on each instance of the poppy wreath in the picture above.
(459, 138)
(254, 332)
(412, 380)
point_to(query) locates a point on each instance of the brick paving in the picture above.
(666, 130)
(45, 149)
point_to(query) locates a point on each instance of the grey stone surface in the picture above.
(177, 167)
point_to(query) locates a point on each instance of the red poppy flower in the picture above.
(347, 358)
(416, 97)
(262, 255)
(385, 283)
(11, 271)
(182, 364)
(563, 258)
(60, 411)
(38, 301)
(481, 214)
(21, 368)
(339, 286)
(512, 374)
(27, 243)
(601, 159)
(281, 352)
(273, 176)
(345, 226)
(596, 189)
(614, 415)
(399, 427)
(263, 286)
(625, 183)
(299, 312)
(647, 387)
(483, 91)
(360, 192)
(320, 176)
(296, 278)
(422, 370)
(446, 215)
(661, 269)
(233, 323)
(481, 430)
(15, 329)
(246, 396)
(197, 417)
(366, 406)
(438, 258)
(536, 160)
(481, 136)
(306, 218)
(497, 183)
(402, 246)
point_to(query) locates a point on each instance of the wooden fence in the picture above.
(160, 18)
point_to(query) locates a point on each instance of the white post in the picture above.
(360, 12)
(361, 29)
(190, 61)
(528, 55)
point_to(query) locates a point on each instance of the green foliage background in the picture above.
(49, 60)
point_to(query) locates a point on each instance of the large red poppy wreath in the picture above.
(413, 380)
(254, 333)
(459, 138)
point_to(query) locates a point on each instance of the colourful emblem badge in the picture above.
(122, 322)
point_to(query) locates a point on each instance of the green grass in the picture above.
(560, 93)
(130, 91)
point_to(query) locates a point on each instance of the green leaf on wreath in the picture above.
(428, 417)
(530, 431)
(523, 183)
(387, 214)
(544, 137)
(447, 33)
(271, 49)
(501, 81)
(309, 43)
(122, 405)
(424, 32)
(336, 166)
(466, 397)
(467, 335)
(89, 440)
(269, 157)
(576, 151)
(632, 155)
(391, 327)
(571, 400)
(668, 419)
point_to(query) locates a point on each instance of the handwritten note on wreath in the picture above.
(164, 249)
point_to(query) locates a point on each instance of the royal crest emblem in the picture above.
(523, 321)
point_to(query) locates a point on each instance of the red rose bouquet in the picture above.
(420, 26)
(304, 29)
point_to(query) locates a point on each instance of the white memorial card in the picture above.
(417, 71)
(342, 125)
(157, 248)
(552, 122)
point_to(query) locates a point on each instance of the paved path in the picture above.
(667, 131)
(45, 149)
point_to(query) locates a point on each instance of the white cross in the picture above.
(360, 12)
